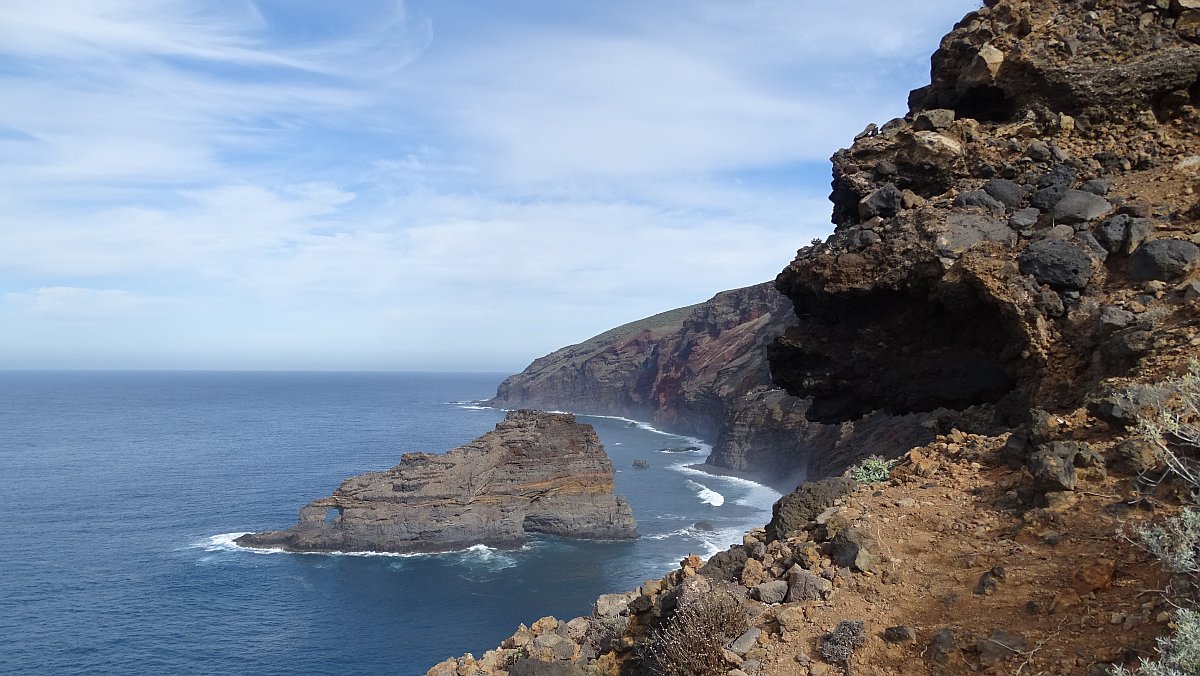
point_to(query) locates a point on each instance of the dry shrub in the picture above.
(692, 641)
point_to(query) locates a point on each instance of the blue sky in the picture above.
(433, 185)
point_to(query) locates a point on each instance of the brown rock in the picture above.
(1093, 576)
(537, 472)
(753, 574)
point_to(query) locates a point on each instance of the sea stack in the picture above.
(535, 473)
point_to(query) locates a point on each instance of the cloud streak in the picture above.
(414, 185)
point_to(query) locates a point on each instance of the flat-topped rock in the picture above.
(535, 473)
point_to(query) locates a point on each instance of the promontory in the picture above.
(535, 473)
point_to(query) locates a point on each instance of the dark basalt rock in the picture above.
(1007, 192)
(537, 472)
(1077, 206)
(795, 510)
(1057, 263)
(1163, 259)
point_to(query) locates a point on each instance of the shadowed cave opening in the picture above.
(986, 104)
(896, 351)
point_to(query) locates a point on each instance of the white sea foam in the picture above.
(707, 495)
(757, 495)
(705, 449)
(225, 543)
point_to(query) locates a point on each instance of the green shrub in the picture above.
(872, 470)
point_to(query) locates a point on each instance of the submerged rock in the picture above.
(537, 472)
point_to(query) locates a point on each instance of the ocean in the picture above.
(122, 492)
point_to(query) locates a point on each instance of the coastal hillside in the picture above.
(702, 370)
(1019, 256)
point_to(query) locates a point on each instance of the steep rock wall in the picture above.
(996, 248)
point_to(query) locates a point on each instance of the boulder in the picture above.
(1136, 455)
(1077, 206)
(999, 646)
(742, 644)
(795, 510)
(725, 566)
(854, 548)
(933, 120)
(965, 231)
(899, 634)
(1053, 466)
(1124, 233)
(771, 592)
(1006, 192)
(1024, 218)
(884, 202)
(1057, 263)
(978, 199)
(804, 586)
(1162, 259)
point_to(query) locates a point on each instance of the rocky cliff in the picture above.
(1020, 252)
(702, 370)
(680, 370)
(536, 473)
(1023, 236)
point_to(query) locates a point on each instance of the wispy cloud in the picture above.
(286, 184)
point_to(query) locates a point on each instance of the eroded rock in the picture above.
(536, 472)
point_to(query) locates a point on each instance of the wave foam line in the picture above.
(224, 542)
(758, 495)
(707, 495)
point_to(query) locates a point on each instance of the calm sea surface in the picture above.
(121, 492)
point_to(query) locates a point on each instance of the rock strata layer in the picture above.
(536, 473)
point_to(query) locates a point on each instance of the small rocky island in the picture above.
(535, 473)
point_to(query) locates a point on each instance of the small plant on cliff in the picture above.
(1174, 425)
(694, 639)
(872, 470)
(1174, 428)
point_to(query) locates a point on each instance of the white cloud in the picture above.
(76, 303)
(399, 185)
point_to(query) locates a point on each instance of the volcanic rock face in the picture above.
(702, 370)
(536, 473)
(981, 240)
(679, 370)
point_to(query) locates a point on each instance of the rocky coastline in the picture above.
(1013, 271)
(702, 371)
(535, 473)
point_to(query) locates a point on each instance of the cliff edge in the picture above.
(535, 473)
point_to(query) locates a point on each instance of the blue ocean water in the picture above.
(122, 491)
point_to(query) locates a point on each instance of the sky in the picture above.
(450, 185)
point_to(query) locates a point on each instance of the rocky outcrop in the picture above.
(680, 370)
(983, 243)
(536, 473)
(702, 370)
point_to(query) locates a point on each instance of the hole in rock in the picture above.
(900, 352)
(986, 104)
(333, 515)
